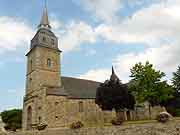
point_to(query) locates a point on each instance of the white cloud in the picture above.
(14, 33)
(75, 34)
(165, 58)
(147, 26)
(56, 24)
(153, 26)
(103, 10)
(99, 75)
(109, 11)
(156, 26)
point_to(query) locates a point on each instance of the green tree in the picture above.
(176, 80)
(12, 119)
(173, 105)
(148, 86)
(112, 94)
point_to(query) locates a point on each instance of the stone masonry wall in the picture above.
(61, 112)
(170, 128)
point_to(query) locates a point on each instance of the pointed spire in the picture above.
(114, 76)
(45, 20)
(113, 70)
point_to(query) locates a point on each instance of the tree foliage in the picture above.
(147, 85)
(114, 95)
(173, 105)
(12, 119)
(176, 80)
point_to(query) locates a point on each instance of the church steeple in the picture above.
(43, 57)
(44, 36)
(45, 19)
(114, 76)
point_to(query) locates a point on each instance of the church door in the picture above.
(29, 118)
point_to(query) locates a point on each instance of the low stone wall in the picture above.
(170, 128)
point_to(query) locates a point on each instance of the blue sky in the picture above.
(93, 35)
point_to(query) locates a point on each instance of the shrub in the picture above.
(12, 119)
(77, 125)
(41, 126)
(163, 117)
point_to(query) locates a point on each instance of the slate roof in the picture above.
(58, 91)
(76, 88)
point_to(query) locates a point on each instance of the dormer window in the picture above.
(49, 63)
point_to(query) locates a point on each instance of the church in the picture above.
(52, 99)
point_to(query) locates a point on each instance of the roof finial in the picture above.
(45, 20)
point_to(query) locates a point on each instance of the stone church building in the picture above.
(51, 98)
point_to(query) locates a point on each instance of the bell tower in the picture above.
(43, 59)
(43, 73)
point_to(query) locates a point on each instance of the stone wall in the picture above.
(55, 111)
(61, 112)
(142, 113)
(170, 128)
(38, 72)
(37, 101)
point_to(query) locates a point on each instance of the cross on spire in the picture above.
(45, 19)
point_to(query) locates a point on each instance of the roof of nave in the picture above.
(76, 88)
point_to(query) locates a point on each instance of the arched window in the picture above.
(49, 64)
